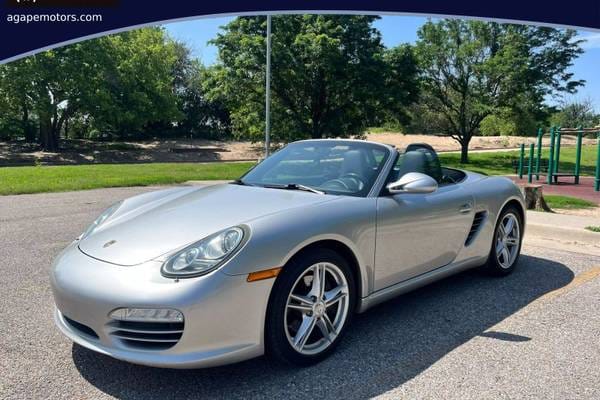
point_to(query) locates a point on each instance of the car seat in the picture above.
(412, 161)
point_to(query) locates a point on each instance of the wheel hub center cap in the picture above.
(319, 309)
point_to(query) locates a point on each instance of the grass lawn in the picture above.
(20, 180)
(500, 163)
(556, 201)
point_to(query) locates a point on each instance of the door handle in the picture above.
(465, 208)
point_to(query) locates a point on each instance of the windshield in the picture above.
(348, 168)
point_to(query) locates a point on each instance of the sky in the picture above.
(395, 30)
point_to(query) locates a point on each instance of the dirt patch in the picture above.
(444, 143)
(88, 152)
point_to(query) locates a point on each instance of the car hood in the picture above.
(141, 231)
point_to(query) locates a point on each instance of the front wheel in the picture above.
(506, 245)
(311, 305)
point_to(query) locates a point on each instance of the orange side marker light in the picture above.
(264, 274)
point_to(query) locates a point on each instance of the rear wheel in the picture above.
(311, 306)
(506, 245)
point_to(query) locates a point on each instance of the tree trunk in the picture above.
(534, 198)
(48, 136)
(27, 129)
(464, 139)
(51, 124)
(62, 121)
(464, 152)
(66, 128)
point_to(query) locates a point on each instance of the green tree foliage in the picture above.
(122, 84)
(137, 88)
(473, 69)
(15, 103)
(201, 116)
(14, 116)
(50, 87)
(575, 114)
(510, 121)
(495, 124)
(401, 85)
(331, 76)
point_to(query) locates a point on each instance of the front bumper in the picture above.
(224, 315)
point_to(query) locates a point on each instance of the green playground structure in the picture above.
(553, 172)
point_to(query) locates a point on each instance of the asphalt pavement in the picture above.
(534, 334)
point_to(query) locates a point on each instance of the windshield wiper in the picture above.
(297, 186)
(294, 186)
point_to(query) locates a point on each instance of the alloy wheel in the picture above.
(316, 308)
(508, 240)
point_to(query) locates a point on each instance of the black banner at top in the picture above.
(30, 25)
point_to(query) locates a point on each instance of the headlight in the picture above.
(205, 255)
(100, 220)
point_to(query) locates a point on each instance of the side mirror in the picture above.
(413, 182)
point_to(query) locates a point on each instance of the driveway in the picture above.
(534, 334)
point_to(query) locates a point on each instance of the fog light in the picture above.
(147, 315)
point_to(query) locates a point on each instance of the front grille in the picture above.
(81, 328)
(147, 335)
(477, 224)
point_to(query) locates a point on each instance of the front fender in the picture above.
(275, 239)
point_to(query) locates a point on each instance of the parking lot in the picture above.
(534, 334)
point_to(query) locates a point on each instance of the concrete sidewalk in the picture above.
(564, 232)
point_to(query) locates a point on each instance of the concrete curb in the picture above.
(565, 232)
(561, 221)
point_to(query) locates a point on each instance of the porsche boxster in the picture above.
(278, 261)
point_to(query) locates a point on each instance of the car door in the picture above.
(417, 233)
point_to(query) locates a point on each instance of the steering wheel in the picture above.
(356, 178)
(336, 184)
(447, 178)
(348, 181)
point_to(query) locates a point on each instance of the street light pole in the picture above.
(268, 91)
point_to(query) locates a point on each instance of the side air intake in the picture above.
(477, 224)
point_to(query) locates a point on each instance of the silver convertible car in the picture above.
(278, 261)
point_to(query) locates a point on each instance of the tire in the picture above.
(506, 248)
(287, 315)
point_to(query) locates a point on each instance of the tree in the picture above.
(201, 116)
(52, 86)
(472, 69)
(515, 121)
(577, 113)
(121, 83)
(138, 91)
(401, 84)
(15, 104)
(497, 124)
(331, 76)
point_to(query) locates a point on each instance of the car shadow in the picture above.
(384, 347)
